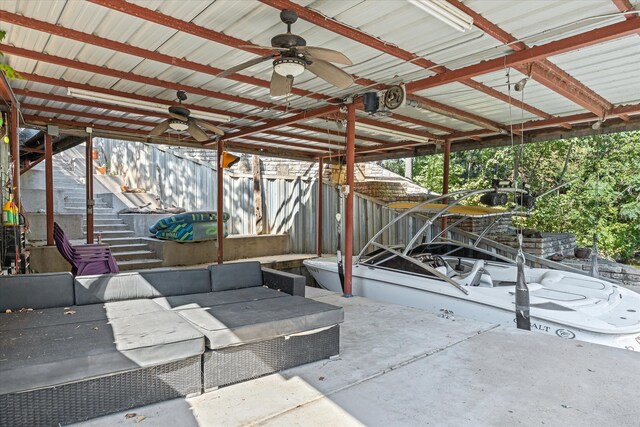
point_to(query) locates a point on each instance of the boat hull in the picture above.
(392, 287)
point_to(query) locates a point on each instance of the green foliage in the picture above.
(6, 69)
(603, 195)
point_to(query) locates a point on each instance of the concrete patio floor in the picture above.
(402, 366)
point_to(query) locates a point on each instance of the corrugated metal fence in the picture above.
(290, 205)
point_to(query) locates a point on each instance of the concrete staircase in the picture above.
(130, 251)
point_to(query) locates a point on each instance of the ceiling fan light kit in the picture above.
(180, 120)
(289, 66)
(178, 125)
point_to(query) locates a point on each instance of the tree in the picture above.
(603, 195)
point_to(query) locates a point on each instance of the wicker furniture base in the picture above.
(244, 362)
(92, 398)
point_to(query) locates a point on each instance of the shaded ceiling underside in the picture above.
(582, 60)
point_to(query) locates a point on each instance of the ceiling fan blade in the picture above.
(208, 126)
(178, 116)
(160, 128)
(280, 85)
(244, 65)
(255, 46)
(330, 73)
(326, 54)
(197, 133)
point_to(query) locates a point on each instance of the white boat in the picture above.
(467, 281)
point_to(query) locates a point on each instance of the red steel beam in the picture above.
(161, 19)
(89, 187)
(69, 33)
(93, 104)
(319, 213)
(253, 138)
(70, 84)
(578, 41)
(631, 109)
(624, 6)
(152, 81)
(456, 113)
(273, 124)
(393, 127)
(544, 71)
(105, 106)
(103, 117)
(48, 179)
(143, 133)
(391, 49)
(31, 165)
(348, 214)
(220, 200)
(6, 93)
(151, 124)
(15, 151)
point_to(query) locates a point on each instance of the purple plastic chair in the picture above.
(85, 260)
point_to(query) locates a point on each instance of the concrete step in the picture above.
(120, 240)
(82, 200)
(128, 247)
(95, 210)
(103, 220)
(134, 255)
(107, 227)
(139, 264)
(68, 205)
(112, 234)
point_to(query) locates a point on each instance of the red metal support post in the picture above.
(348, 214)
(15, 154)
(48, 171)
(219, 201)
(89, 188)
(319, 224)
(445, 177)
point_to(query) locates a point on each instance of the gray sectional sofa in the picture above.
(94, 345)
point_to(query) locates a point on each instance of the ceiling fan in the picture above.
(292, 56)
(181, 120)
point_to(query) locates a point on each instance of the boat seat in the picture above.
(474, 276)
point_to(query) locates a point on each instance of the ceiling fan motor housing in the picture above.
(287, 40)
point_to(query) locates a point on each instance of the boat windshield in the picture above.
(452, 250)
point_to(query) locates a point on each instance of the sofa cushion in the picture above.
(76, 314)
(35, 357)
(210, 299)
(36, 291)
(248, 321)
(144, 284)
(235, 275)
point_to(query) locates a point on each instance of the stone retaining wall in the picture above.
(607, 269)
(545, 246)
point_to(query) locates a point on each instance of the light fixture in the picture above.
(390, 132)
(227, 160)
(178, 124)
(288, 66)
(521, 84)
(145, 105)
(597, 125)
(446, 13)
